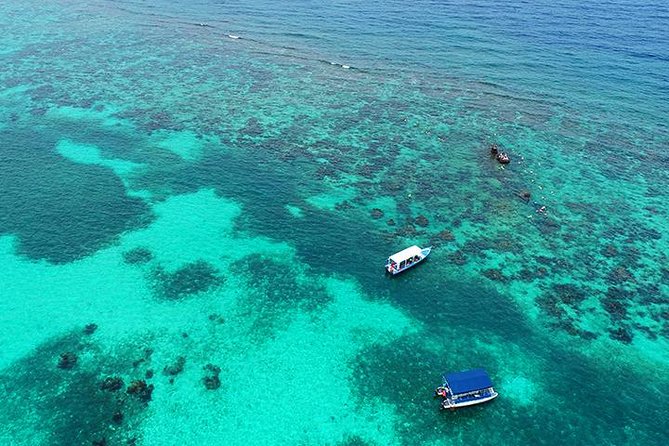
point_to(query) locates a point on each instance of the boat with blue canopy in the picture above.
(406, 258)
(466, 388)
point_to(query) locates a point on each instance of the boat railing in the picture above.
(473, 396)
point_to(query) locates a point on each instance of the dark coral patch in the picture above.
(216, 318)
(550, 304)
(441, 238)
(645, 234)
(457, 258)
(529, 275)
(610, 251)
(620, 275)
(508, 243)
(525, 195)
(190, 279)
(73, 408)
(404, 374)
(175, 367)
(664, 271)
(60, 210)
(377, 213)
(141, 390)
(422, 221)
(343, 206)
(137, 256)
(621, 334)
(111, 384)
(353, 440)
(615, 307)
(212, 380)
(274, 289)
(569, 294)
(570, 328)
(446, 236)
(252, 128)
(67, 360)
(89, 329)
(146, 357)
(547, 226)
(495, 274)
(477, 246)
(117, 418)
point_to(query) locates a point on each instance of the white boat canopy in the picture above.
(410, 252)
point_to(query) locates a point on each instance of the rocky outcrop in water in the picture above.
(497, 153)
(377, 213)
(212, 380)
(176, 367)
(67, 360)
(525, 195)
(112, 384)
(422, 221)
(140, 390)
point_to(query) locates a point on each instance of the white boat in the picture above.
(462, 389)
(406, 258)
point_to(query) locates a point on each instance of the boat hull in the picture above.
(395, 272)
(424, 253)
(451, 405)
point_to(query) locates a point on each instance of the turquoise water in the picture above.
(216, 185)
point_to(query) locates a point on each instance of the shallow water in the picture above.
(215, 185)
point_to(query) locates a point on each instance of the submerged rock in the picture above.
(190, 279)
(407, 230)
(495, 274)
(137, 256)
(147, 357)
(570, 294)
(212, 381)
(620, 275)
(621, 334)
(610, 251)
(507, 244)
(252, 128)
(111, 384)
(570, 328)
(343, 206)
(665, 273)
(176, 367)
(390, 222)
(550, 304)
(525, 195)
(216, 318)
(140, 390)
(458, 258)
(422, 221)
(615, 308)
(89, 329)
(117, 418)
(446, 236)
(377, 213)
(67, 360)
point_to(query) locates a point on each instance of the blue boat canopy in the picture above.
(468, 381)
